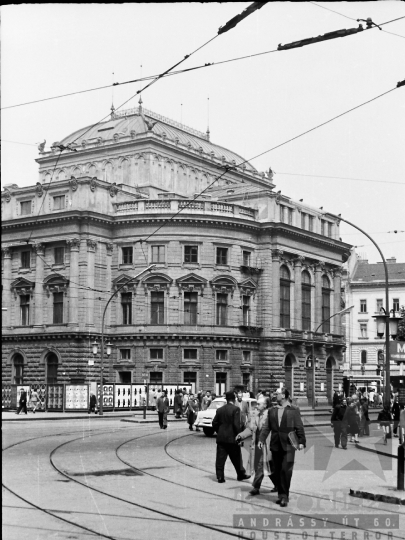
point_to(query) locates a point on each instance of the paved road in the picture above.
(116, 480)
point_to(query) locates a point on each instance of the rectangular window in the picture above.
(190, 354)
(326, 311)
(395, 304)
(284, 305)
(126, 306)
(246, 380)
(127, 255)
(25, 309)
(59, 255)
(222, 309)
(246, 310)
(59, 202)
(156, 354)
(190, 377)
(246, 255)
(363, 330)
(222, 255)
(247, 357)
(303, 216)
(379, 305)
(221, 355)
(363, 306)
(190, 307)
(157, 307)
(191, 254)
(26, 208)
(125, 354)
(18, 372)
(220, 383)
(156, 377)
(311, 223)
(158, 254)
(26, 259)
(58, 308)
(306, 307)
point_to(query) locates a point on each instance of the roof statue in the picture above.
(41, 147)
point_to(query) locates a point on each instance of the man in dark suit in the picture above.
(282, 420)
(227, 424)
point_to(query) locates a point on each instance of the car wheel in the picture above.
(209, 432)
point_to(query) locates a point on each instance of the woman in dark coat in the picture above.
(396, 411)
(93, 404)
(365, 420)
(352, 420)
(178, 404)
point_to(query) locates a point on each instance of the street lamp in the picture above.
(314, 361)
(108, 345)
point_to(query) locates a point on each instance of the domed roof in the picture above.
(122, 123)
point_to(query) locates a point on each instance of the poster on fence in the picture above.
(108, 395)
(77, 396)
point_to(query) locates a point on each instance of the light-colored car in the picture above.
(205, 418)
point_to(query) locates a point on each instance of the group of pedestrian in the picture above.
(276, 432)
(25, 402)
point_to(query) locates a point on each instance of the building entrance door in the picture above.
(220, 383)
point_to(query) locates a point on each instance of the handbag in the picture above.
(293, 440)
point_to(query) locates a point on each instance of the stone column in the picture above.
(108, 284)
(276, 256)
(318, 296)
(91, 256)
(297, 308)
(74, 245)
(337, 277)
(6, 296)
(39, 282)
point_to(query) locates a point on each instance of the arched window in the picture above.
(52, 369)
(306, 300)
(285, 297)
(364, 357)
(18, 367)
(325, 304)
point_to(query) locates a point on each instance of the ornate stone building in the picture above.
(244, 275)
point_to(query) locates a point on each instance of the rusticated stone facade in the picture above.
(243, 277)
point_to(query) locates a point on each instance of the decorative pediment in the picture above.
(56, 283)
(22, 286)
(223, 285)
(248, 287)
(157, 282)
(191, 283)
(121, 281)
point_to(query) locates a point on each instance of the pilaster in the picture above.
(39, 280)
(337, 279)
(319, 268)
(74, 245)
(6, 296)
(297, 310)
(276, 257)
(91, 256)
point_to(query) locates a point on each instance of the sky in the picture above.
(251, 105)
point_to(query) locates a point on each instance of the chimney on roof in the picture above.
(392, 260)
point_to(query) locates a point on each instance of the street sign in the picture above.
(397, 351)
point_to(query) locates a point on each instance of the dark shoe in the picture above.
(244, 477)
(336, 446)
(283, 502)
(254, 491)
(274, 490)
(164, 427)
(197, 429)
(278, 501)
(190, 428)
(344, 447)
(221, 480)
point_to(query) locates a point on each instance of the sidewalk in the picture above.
(381, 491)
(135, 416)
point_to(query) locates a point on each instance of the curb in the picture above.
(389, 499)
(375, 451)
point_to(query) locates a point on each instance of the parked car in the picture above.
(205, 418)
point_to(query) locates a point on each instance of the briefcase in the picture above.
(293, 439)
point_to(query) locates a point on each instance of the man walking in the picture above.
(227, 424)
(282, 421)
(34, 400)
(178, 404)
(243, 406)
(163, 409)
(336, 423)
(22, 404)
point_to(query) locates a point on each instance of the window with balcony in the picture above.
(306, 300)
(285, 298)
(59, 202)
(191, 254)
(26, 259)
(127, 255)
(190, 354)
(126, 308)
(157, 307)
(246, 310)
(158, 254)
(26, 208)
(25, 309)
(363, 306)
(190, 308)
(58, 308)
(221, 355)
(156, 355)
(59, 255)
(222, 255)
(246, 256)
(222, 309)
(326, 293)
(125, 354)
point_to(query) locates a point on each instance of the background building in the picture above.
(365, 290)
(244, 275)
